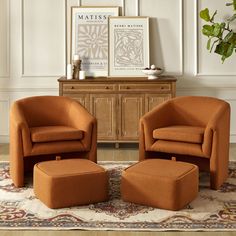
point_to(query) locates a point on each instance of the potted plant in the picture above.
(221, 36)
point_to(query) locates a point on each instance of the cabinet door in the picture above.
(130, 110)
(153, 100)
(82, 98)
(103, 107)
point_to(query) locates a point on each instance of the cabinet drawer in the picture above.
(145, 87)
(73, 88)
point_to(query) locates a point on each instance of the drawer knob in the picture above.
(106, 87)
(127, 87)
(72, 87)
(162, 87)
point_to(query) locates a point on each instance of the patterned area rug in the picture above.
(211, 211)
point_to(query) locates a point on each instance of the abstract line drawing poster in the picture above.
(128, 45)
(89, 37)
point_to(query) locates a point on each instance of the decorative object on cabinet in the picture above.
(128, 45)
(152, 72)
(89, 37)
(69, 71)
(76, 67)
(82, 74)
(118, 102)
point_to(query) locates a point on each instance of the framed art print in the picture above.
(128, 45)
(89, 37)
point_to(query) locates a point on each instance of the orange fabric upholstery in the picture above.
(49, 125)
(54, 133)
(189, 127)
(160, 183)
(66, 183)
(189, 134)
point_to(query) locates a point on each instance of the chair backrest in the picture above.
(195, 110)
(45, 110)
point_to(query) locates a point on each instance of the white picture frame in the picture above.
(89, 37)
(128, 46)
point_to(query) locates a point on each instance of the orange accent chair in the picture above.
(45, 126)
(192, 129)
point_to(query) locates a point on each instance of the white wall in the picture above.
(33, 51)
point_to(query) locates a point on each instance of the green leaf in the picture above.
(213, 44)
(230, 50)
(208, 30)
(225, 50)
(233, 39)
(223, 59)
(204, 14)
(222, 48)
(232, 18)
(216, 30)
(228, 37)
(228, 53)
(234, 3)
(222, 25)
(209, 43)
(212, 30)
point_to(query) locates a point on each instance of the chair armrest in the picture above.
(219, 117)
(220, 125)
(18, 124)
(20, 144)
(156, 118)
(81, 119)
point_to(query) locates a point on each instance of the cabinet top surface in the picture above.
(120, 79)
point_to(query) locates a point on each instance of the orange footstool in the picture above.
(71, 182)
(160, 183)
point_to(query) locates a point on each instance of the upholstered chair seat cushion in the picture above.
(180, 133)
(193, 149)
(54, 133)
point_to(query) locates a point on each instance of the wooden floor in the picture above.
(107, 152)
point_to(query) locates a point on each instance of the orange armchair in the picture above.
(45, 126)
(192, 129)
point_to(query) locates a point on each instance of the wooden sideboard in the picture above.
(118, 103)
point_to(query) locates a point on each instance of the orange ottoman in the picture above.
(65, 183)
(160, 183)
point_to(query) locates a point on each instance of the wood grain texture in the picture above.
(118, 103)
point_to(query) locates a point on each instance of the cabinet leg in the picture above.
(117, 145)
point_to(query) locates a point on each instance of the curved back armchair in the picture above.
(192, 129)
(45, 126)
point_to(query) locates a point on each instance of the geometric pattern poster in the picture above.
(128, 45)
